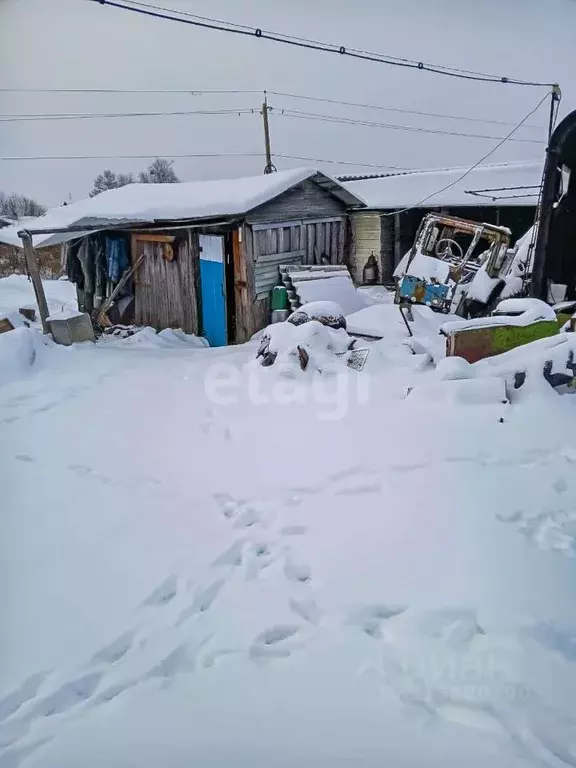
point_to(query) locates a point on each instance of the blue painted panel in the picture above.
(421, 292)
(214, 327)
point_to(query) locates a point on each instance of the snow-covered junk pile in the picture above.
(313, 339)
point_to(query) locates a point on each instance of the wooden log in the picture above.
(34, 273)
(5, 325)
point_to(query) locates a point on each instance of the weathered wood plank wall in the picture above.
(165, 290)
(304, 201)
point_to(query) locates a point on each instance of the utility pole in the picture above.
(543, 219)
(556, 95)
(269, 167)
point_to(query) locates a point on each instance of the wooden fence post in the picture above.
(34, 273)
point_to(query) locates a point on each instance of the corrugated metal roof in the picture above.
(488, 185)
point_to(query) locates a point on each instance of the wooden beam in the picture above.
(34, 273)
(155, 238)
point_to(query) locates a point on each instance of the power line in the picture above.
(161, 12)
(131, 157)
(397, 110)
(189, 91)
(370, 124)
(247, 111)
(340, 162)
(477, 164)
(205, 155)
(98, 115)
(281, 94)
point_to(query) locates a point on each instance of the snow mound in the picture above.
(535, 310)
(327, 312)
(453, 368)
(311, 347)
(373, 321)
(339, 290)
(428, 268)
(485, 391)
(20, 351)
(376, 294)
(517, 306)
(149, 339)
(16, 291)
(481, 286)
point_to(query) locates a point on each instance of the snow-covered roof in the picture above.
(488, 185)
(149, 203)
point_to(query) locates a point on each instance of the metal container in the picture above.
(70, 330)
(280, 315)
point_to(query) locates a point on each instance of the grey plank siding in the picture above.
(304, 201)
(306, 222)
(165, 290)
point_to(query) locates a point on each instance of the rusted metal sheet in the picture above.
(478, 343)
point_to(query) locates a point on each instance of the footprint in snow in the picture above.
(248, 517)
(27, 691)
(164, 592)
(202, 602)
(295, 572)
(232, 556)
(265, 645)
(67, 696)
(560, 485)
(307, 610)
(371, 617)
(304, 490)
(180, 661)
(229, 506)
(360, 490)
(112, 653)
(343, 474)
(112, 692)
(409, 467)
(47, 406)
(211, 658)
(455, 627)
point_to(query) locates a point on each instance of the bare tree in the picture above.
(159, 172)
(110, 180)
(16, 206)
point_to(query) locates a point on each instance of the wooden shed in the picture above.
(208, 253)
(504, 195)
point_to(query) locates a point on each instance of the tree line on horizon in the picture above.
(16, 206)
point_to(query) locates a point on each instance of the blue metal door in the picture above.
(213, 290)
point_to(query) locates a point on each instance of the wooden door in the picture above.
(164, 291)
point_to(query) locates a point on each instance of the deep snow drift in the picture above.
(204, 562)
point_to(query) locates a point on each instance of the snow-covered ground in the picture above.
(203, 562)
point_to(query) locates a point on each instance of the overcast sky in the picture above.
(81, 44)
